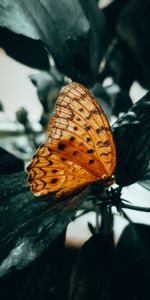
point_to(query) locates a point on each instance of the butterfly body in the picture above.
(79, 149)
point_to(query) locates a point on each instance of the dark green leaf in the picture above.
(73, 32)
(91, 274)
(28, 224)
(131, 271)
(145, 179)
(40, 279)
(10, 163)
(131, 133)
(24, 49)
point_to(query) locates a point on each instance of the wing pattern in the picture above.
(79, 148)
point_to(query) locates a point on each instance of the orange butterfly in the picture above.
(79, 149)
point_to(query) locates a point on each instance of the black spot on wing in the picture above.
(54, 171)
(63, 159)
(87, 127)
(91, 161)
(61, 146)
(90, 150)
(75, 153)
(54, 180)
(88, 139)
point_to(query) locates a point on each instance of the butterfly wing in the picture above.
(79, 138)
(80, 129)
(50, 173)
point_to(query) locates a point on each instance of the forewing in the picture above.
(80, 129)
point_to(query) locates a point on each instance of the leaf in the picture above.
(122, 103)
(73, 32)
(128, 21)
(91, 273)
(112, 11)
(28, 225)
(10, 163)
(119, 65)
(131, 271)
(106, 272)
(131, 133)
(26, 50)
(133, 29)
(40, 279)
(145, 179)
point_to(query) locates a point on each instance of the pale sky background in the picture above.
(16, 89)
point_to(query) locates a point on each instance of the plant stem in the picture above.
(107, 222)
(126, 216)
(135, 207)
(97, 217)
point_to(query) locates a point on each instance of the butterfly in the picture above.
(79, 148)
